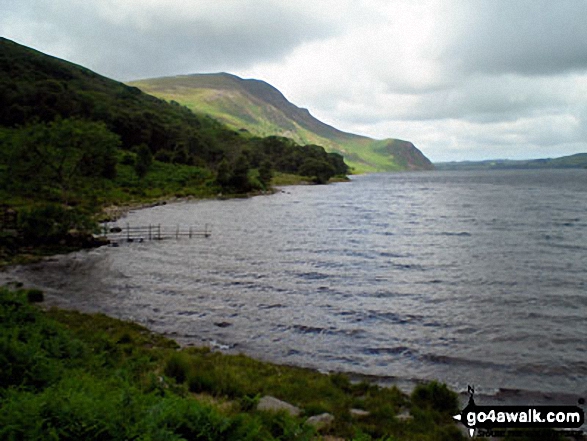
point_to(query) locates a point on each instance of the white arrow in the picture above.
(458, 418)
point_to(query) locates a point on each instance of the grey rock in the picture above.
(404, 415)
(320, 421)
(273, 404)
(359, 413)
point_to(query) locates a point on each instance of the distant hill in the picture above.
(259, 108)
(573, 161)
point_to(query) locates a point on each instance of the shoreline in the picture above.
(406, 386)
(114, 212)
(501, 396)
(9, 277)
(117, 211)
(155, 373)
(507, 397)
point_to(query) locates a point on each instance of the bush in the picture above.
(32, 348)
(48, 224)
(44, 223)
(319, 170)
(35, 296)
(178, 367)
(341, 381)
(143, 161)
(436, 396)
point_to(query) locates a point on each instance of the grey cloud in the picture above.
(485, 75)
(170, 44)
(529, 37)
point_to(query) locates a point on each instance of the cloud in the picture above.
(482, 78)
(527, 37)
(129, 39)
(461, 79)
(477, 98)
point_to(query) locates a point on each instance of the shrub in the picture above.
(341, 381)
(50, 223)
(178, 367)
(35, 296)
(202, 382)
(32, 348)
(285, 427)
(436, 396)
(143, 161)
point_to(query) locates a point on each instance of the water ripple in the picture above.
(467, 277)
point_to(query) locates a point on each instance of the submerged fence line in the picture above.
(142, 233)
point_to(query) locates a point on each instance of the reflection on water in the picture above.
(467, 277)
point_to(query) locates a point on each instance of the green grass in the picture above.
(283, 179)
(162, 180)
(67, 375)
(239, 105)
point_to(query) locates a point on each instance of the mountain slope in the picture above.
(261, 109)
(78, 127)
(37, 87)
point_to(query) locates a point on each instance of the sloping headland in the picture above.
(259, 108)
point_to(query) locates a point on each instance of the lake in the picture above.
(469, 277)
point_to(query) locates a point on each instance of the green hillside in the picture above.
(73, 142)
(262, 110)
(37, 88)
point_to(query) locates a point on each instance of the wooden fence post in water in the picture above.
(152, 232)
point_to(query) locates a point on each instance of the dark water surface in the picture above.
(467, 277)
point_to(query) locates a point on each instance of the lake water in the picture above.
(467, 277)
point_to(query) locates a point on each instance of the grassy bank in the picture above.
(67, 375)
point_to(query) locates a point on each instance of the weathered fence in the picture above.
(132, 233)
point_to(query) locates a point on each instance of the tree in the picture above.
(319, 170)
(50, 223)
(265, 173)
(337, 161)
(234, 177)
(239, 179)
(60, 158)
(223, 174)
(143, 161)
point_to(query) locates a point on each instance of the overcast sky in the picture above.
(461, 79)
